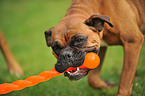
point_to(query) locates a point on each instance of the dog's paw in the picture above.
(15, 69)
(99, 84)
(109, 84)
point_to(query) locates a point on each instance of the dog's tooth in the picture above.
(78, 68)
(68, 72)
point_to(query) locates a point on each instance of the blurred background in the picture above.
(23, 23)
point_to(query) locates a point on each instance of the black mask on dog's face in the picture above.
(70, 57)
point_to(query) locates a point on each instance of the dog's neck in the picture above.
(78, 12)
(80, 9)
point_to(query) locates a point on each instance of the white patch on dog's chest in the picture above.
(103, 43)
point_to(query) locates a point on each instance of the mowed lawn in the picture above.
(23, 23)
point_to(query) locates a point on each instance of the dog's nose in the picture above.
(65, 60)
(66, 54)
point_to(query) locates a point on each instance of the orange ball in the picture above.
(92, 60)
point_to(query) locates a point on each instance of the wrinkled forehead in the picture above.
(65, 32)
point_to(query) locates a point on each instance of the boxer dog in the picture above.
(86, 25)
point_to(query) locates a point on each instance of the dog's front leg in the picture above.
(11, 62)
(94, 78)
(132, 47)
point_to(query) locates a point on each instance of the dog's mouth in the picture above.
(73, 58)
(77, 73)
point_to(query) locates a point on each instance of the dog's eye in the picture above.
(57, 50)
(56, 47)
(79, 40)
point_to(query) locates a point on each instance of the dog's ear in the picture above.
(96, 22)
(48, 34)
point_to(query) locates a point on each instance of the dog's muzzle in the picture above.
(71, 57)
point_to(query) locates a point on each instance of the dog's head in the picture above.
(71, 39)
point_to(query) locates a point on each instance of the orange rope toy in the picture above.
(91, 61)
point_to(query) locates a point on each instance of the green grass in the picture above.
(23, 23)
